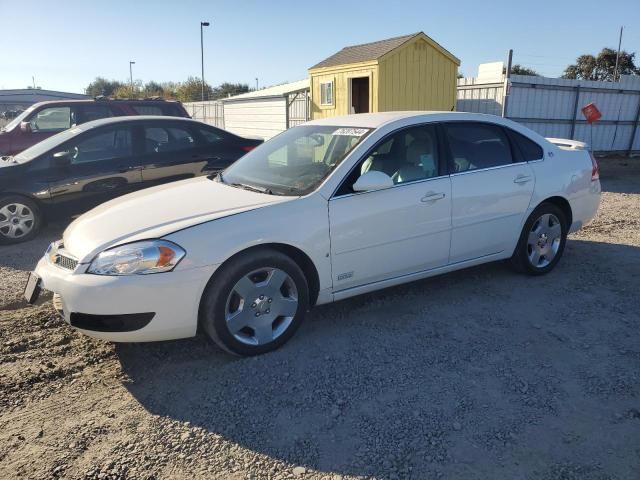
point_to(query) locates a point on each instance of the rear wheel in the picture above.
(542, 240)
(255, 303)
(20, 219)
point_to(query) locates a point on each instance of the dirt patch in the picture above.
(477, 374)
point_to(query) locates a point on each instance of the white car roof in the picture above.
(376, 120)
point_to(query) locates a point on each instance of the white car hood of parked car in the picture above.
(158, 211)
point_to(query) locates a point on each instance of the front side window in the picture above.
(167, 139)
(51, 119)
(296, 161)
(326, 93)
(109, 144)
(476, 145)
(408, 155)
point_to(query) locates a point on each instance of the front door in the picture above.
(399, 230)
(101, 167)
(43, 123)
(491, 190)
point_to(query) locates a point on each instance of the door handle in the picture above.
(522, 179)
(432, 197)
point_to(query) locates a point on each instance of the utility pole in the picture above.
(131, 62)
(507, 85)
(615, 71)
(256, 83)
(202, 24)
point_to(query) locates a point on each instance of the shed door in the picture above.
(360, 95)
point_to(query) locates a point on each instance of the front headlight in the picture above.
(139, 258)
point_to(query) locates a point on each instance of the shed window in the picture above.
(326, 93)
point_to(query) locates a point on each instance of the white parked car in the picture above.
(324, 211)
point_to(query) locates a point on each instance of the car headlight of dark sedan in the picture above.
(138, 258)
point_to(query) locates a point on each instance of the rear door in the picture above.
(102, 167)
(170, 151)
(491, 190)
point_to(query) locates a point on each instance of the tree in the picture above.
(102, 86)
(522, 70)
(191, 90)
(602, 66)
(127, 91)
(227, 89)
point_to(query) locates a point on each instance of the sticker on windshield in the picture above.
(351, 132)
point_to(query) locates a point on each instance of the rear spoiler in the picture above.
(569, 144)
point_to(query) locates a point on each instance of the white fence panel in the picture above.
(551, 107)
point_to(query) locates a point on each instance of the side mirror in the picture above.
(372, 180)
(25, 127)
(61, 159)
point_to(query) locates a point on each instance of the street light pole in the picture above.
(131, 74)
(202, 24)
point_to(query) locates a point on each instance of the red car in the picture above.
(44, 119)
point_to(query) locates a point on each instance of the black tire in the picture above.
(5, 239)
(520, 259)
(212, 315)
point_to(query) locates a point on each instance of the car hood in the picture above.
(156, 212)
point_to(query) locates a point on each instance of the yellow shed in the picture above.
(411, 72)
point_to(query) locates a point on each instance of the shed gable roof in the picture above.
(374, 50)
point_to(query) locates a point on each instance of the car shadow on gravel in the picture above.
(458, 375)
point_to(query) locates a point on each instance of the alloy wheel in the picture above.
(16, 220)
(544, 240)
(261, 306)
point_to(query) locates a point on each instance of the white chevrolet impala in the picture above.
(324, 211)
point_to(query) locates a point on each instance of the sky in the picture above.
(66, 44)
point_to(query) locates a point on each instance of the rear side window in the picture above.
(147, 109)
(477, 145)
(87, 113)
(171, 139)
(210, 136)
(526, 149)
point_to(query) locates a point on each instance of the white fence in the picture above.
(551, 107)
(264, 116)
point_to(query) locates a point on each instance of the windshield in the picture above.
(46, 145)
(296, 161)
(16, 121)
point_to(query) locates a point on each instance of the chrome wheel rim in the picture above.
(261, 306)
(544, 240)
(16, 220)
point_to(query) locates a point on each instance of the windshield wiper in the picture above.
(252, 188)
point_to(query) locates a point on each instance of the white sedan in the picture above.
(324, 211)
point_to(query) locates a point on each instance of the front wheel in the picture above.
(542, 240)
(20, 219)
(255, 303)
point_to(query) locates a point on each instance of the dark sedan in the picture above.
(84, 166)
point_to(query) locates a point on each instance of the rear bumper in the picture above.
(585, 207)
(137, 308)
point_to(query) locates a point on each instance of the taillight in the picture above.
(248, 148)
(595, 170)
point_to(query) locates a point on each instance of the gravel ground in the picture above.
(479, 374)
